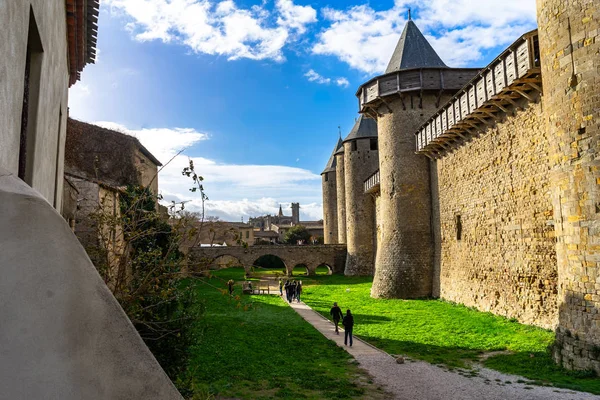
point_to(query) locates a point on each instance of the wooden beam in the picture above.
(535, 86)
(524, 94)
(385, 103)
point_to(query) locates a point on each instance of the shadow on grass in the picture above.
(538, 368)
(542, 370)
(257, 347)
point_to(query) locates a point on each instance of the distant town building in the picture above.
(279, 224)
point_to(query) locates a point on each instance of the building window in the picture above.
(458, 221)
(247, 234)
(326, 176)
(373, 144)
(353, 145)
(31, 89)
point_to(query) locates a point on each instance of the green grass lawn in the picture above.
(443, 333)
(257, 347)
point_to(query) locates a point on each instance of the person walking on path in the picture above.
(287, 290)
(298, 291)
(348, 323)
(336, 314)
(292, 292)
(281, 287)
(230, 286)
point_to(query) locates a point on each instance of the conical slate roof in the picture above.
(413, 51)
(363, 128)
(331, 164)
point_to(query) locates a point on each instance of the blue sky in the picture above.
(255, 90)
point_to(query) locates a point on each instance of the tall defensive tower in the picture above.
(330, 201)
(361, 158)
(295, 213)
(569, 35)
(414, 85)
(340, 178)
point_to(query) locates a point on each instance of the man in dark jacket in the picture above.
(348, 323)
(336, 314)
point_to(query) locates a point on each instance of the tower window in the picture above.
(326, 176)
(353, 145)
(458, 221)
(373, 144)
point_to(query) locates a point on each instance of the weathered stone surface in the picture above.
(404, 264)
(570, 50)
(341, 197)
(359, 164)
(330, 213)
(497, 184)
(333, 256)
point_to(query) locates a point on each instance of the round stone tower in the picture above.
(330, 200)
(416, 82)
(569, 35)
(361, 159)
(340, 178)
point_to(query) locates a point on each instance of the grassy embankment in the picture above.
(443, 333)
(257, 347)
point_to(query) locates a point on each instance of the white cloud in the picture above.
(365, 39)
(314, 76)
(293, 16)
(217, 28)
(234, 190)
(343, 82)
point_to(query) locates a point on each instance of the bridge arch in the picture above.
(322, 269)
(270, 261)
(312, 256)
(300, 269)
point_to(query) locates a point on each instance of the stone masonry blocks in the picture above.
(570, 50)
(505, 260)
(330, 205)
(404, 263)
(341, 197)
(312, 256)
(359, 164)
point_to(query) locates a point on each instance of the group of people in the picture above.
(347, 321)
(292, 289)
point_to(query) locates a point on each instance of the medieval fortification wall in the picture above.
(505, 215)
(495, 217)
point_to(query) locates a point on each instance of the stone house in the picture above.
(485, 189)
(64, 334)
(99, 164)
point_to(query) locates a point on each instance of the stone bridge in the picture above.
(312, 256)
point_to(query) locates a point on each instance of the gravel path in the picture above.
(415, 380)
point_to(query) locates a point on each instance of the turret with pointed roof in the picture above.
(330, 203)
(413, 51)
(413, 86)
(331, 163)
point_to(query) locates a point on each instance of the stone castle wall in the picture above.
(341, 197)
(496, 191)
(569, 35)
(330, 214)
(405, 249)
(359, 165)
